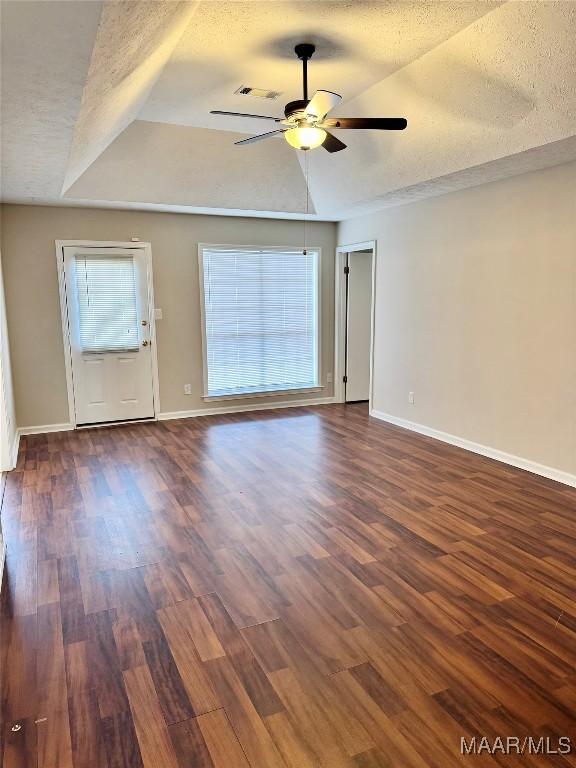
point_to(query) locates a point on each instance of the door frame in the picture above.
(340, 318)
(146, 248)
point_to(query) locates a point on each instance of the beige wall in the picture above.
(476, 313)
(28, 235)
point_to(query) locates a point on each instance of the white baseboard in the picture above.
(44, 429)
(492, 453)
(239, 408)
(14, 451)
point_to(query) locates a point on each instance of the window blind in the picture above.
(261, 320)
(108, 316)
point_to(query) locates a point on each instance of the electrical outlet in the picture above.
(328, 378)
(411, 398)
(187, 389)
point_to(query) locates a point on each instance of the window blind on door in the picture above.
(260, 320)
(107, 306)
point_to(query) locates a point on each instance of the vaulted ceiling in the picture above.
(108, 102)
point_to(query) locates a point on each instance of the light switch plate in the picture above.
(157, 314)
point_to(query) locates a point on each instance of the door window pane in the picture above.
(108, 316)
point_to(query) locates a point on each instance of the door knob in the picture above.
(144, 343)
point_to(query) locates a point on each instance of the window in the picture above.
(260, 319)
(107, 309)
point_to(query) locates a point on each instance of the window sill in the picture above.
(302, 390)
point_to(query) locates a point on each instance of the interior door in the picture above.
(109, 327)
(358, 325)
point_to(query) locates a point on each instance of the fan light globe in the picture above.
(307, 137)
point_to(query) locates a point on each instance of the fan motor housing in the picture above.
(294, 108)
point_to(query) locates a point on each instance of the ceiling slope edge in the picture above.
(534, 159)
(195, 210)
(134, 42)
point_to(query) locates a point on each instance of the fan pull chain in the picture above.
(306, 175)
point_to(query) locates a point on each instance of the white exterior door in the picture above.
(358, 326)
(109, 328)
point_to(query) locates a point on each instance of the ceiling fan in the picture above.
(305, 119)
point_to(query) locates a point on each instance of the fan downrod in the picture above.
(304, 52)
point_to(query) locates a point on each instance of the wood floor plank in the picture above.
(104, 665)
(48, 588)
(194, 675)
(295, 752)
(154, 741)
(24, 581)
(380, 727)
(21, 684)
(189, 745)
(50, 662)
(54, 742)
(71, 604)
(166, 582)
(307, 588)
(240, 655)
(172, 696)
(128, 642)
(249, 727)
(319, 728)
(121, 741)
(189, 614)
(86, 731)
(224, 747)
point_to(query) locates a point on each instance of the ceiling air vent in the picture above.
(260, 93)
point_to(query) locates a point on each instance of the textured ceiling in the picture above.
(135, 40)
(195, 167)
(501, 86)
(231, 44)
(46, 49)
(108, 102)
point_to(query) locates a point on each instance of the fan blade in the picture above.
(260, 136)
(375, 123)
(244, 114)
(332, 144)
(321, 103)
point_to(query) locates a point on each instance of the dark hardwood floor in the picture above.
(307, 587)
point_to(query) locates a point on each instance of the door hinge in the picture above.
(345, 379)
(346, 270)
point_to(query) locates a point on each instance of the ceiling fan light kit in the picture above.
(305, 119)
(305, 137)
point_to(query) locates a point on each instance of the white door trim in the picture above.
(340, 316)
(101, 244)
